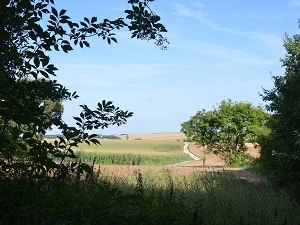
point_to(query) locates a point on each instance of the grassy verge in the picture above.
(149, 198)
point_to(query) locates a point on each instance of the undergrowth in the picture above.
(151, 197)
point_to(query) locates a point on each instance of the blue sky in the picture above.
(218, 50)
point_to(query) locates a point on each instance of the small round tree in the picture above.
(224, 130)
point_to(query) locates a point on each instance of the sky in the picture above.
(218, 50)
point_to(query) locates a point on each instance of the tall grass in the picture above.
(152, 197)
(214, 197)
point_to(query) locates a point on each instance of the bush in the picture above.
(240, 159)
(109, 136)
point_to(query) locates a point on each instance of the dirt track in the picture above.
(128, 170)
(213, 162)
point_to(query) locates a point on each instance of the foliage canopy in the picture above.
(225, 130)
(281, 149)
(24, 43)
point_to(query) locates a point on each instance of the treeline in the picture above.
(54, 136)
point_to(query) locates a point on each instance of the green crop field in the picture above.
(133, 152)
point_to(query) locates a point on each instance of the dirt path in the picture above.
(185, 170)
(211, 159)
(213, 164)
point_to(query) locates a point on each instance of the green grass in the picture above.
(216, 198)
(154, 197)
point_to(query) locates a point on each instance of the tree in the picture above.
(280, 151)
(24, 43)
(225, 130)
(200, 130)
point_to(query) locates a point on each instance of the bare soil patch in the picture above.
(214, 160)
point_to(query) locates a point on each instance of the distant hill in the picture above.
(53, 136)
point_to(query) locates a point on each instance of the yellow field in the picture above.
(139, 144)
(138, 147)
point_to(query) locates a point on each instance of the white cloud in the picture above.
(202, 17)
(232, 56)
(261, 36)
(195, 14)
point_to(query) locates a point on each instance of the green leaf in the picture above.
(61, 140)
(44, 73)
(87, 20)
(27, 135)
(83, 24)
(86, 43)
(45, 61)
(114, 40)
(95, 141)
(53, 18)
(54, 11)
(94, 19)
(32, 35)
(78, 119)
(36, 62)
(62, 12)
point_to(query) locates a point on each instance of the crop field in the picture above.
(133, 152)
(155, 150)
(147, 195)
(140, 147)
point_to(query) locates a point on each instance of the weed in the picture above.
(154, 197)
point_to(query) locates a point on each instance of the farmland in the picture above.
(140, 147)
(151, 150)
(141, 194)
